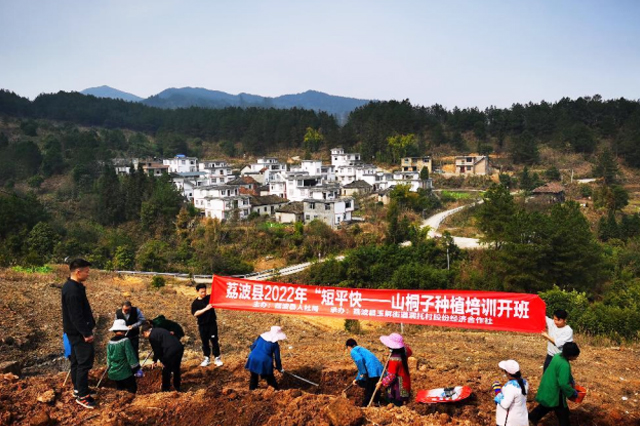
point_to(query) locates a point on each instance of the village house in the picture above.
(416, 164)
(552, 192)
(358, 187)
(340, 158)
(222, 201)
(247, 185)
(217, 171)
(332, 212)
(472, 165)
(267, 205)
(181, 164)
(187, 182)
(290, 213)
(264, 169)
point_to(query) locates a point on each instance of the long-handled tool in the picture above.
(301, 378)
(66, 378)
(379, 381)
(344, 392)
(145, 360)
(103, 374)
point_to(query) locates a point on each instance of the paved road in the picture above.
(435, 221)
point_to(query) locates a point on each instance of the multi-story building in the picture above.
(330, 211)
(181, 164)
(416, 164)
(263, 169)
(222, 201)
(472, 165)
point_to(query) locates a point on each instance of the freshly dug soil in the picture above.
(30, 332)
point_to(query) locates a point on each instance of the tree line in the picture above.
(381, 131)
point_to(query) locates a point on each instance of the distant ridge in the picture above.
(110, 92)
(186, 97)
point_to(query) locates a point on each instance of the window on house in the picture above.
(468, 168)
(307, 217)
(469, 159)
(327, 206)
(312, 205)
(348, 204)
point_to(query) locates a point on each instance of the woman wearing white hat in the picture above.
(511, 409)
(397, 381)
(122, 361)
(264, 352)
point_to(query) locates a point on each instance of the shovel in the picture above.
(344, 392)
(301, 378)
(103, 374)
(379, 381)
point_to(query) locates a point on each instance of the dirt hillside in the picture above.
(30, 333)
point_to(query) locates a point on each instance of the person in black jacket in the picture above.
(168, 349)
(134, 318)
(207, 325)
(78, 324)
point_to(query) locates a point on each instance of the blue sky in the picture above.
(456, 53)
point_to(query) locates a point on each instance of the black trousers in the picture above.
(171, 365)
(135, 342)
(128, 384)
(369, 386)
(562, 413)
(209, 333)
(82, 355)
(547, 361)
(255, 378)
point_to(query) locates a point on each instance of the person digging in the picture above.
(369, 370)
(168, 350)
(265, 351)
(122, 360)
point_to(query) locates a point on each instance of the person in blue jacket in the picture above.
(369, 370)
(264, 352)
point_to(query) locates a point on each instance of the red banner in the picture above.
(488, 310)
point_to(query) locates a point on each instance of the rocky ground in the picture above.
(30, 336)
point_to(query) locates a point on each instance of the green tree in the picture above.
(495, 213)
(606, 167)
(524, 149)
(552, 174)
(313, 140)
(424, 174)
(41, 240)
(399, 145)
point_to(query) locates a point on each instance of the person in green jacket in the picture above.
(556, 387)
(122, 362)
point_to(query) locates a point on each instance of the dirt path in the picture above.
(30, 316)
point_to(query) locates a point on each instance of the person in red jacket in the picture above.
(397, 381)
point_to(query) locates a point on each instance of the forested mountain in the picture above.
(570, 125)
(110, 92)
(186, 97)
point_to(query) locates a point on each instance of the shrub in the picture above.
(352, 326)
(157, 282)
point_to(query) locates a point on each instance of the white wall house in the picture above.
(403, 178)
(340, 158)
(187, 182)
(181, 164)
(332, 212)
(222, 201)
(263, 169)
(217, 171)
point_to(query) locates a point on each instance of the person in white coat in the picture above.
(511, 409)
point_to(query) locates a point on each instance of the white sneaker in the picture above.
(218, 362)
(206, 362)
